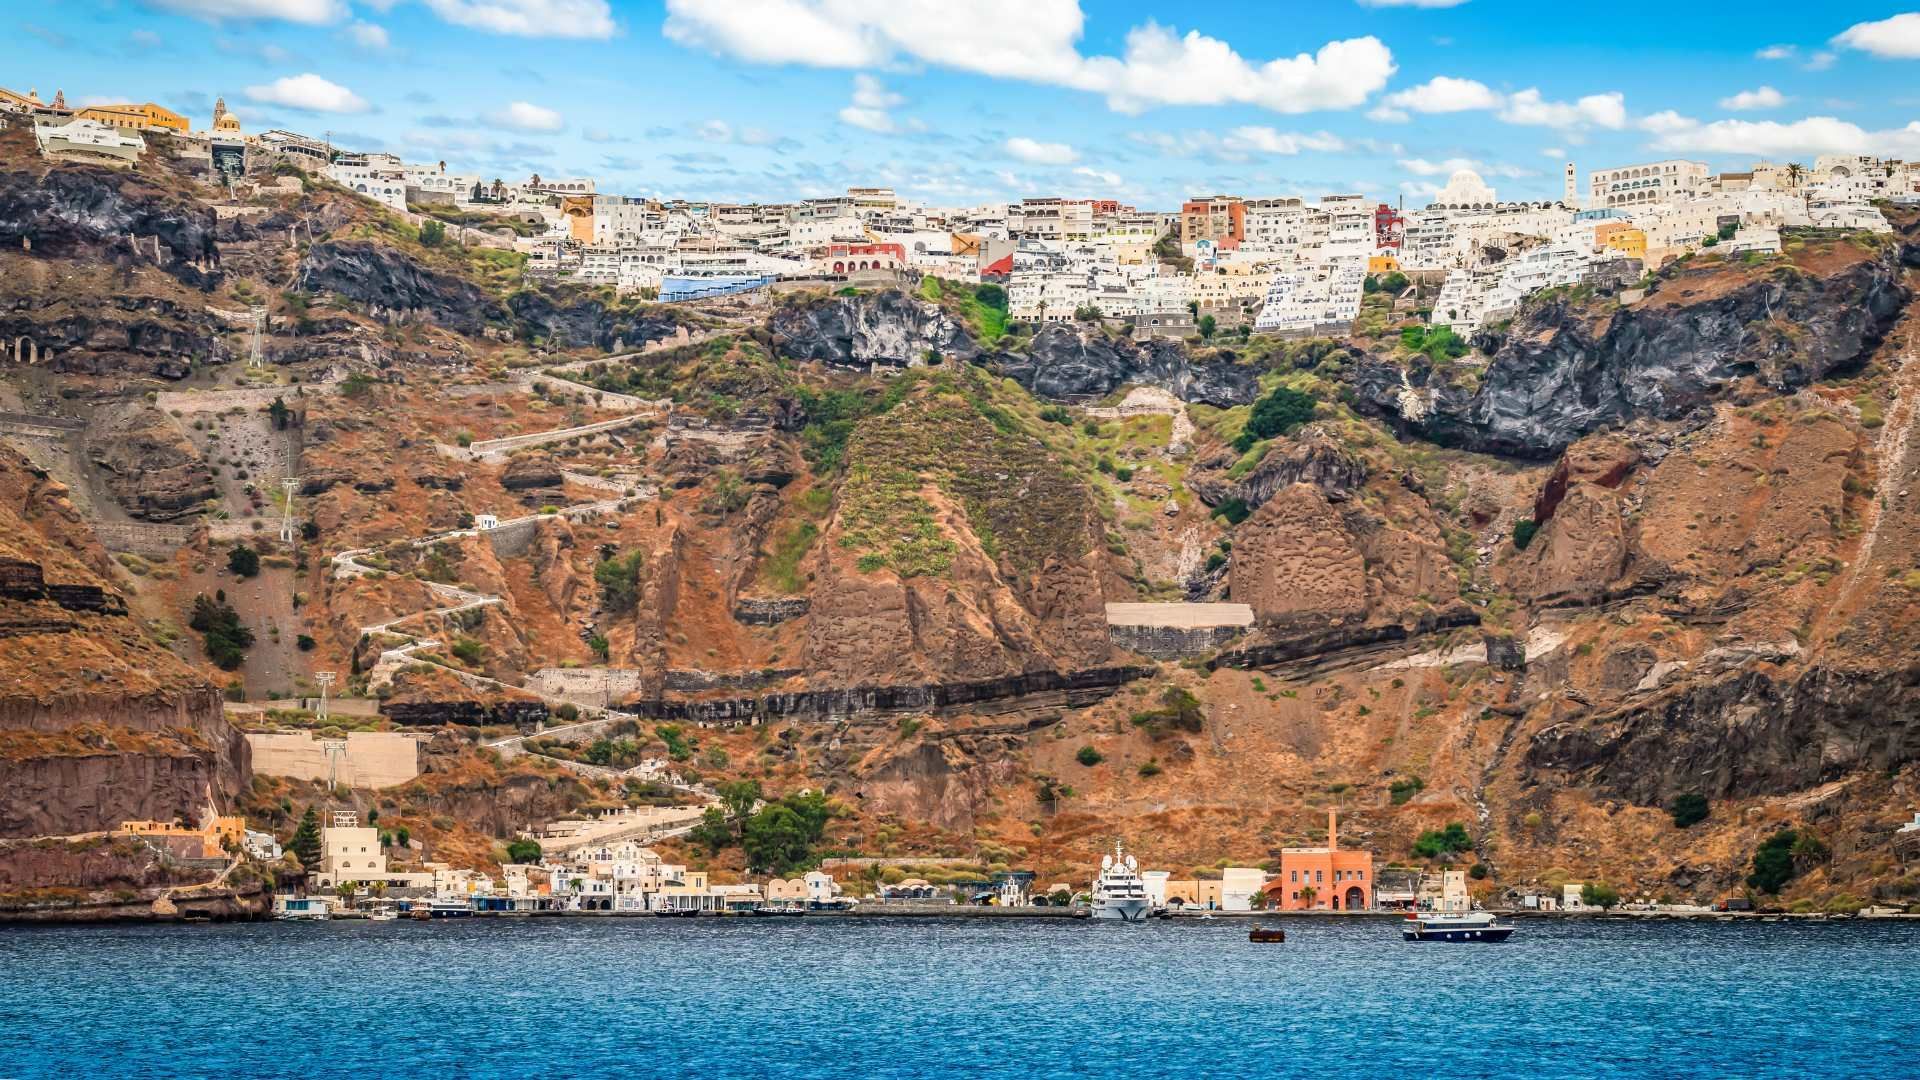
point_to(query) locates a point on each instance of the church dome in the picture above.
(1465, 188)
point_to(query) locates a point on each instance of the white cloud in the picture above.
(1032, 40)
(1812, 136)
(1820, 61)
(1895, 38)
(1765, 97)
(1555, 152)
(530, 18)
(311, 12)
(1776, 52)
(871, 106)
(1098, 176)
(1666, 122)
(308, 93)
(1442, 94)
(1446, 94)
(368, 35)
(1598, 110)
(526, 116)
(716, 131)
(1041, 153)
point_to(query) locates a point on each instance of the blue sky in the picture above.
(960, 102)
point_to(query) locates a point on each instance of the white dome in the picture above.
(1465, 188)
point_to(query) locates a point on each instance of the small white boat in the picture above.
(1461, 926)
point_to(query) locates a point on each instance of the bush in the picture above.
(433, 234)
(1524, 531)
(243, 561)
(1599, 894)
(1178, 711)
(1774, 862)
(1149, 769)
(567, 711)
(1688, 810)
(468, 651)
(304, 643)
(1089, 757)
(1478, 871)
(226, 640)
(1234, 510)
(1278, 413)
(523, 851)
(1405, 788)
(1437, 842)
(619, 581)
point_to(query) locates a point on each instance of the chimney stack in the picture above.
(1333, 830)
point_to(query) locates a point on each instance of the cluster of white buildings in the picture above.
(1283, 264)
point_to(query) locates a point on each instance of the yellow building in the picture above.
(1629, 242)
(135, 117)
(21, 102)
(1382, 264)
(224, 121)
(579, 211)
(215, 839)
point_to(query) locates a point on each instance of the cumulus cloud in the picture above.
(1425, 167)
(1667, 121)
(872, 106)
(1446, 94)
(1776, 52)
(1031, 40)
(1809, 137)
(1598, 110)
(1040, 153)
(310, 12)
(1765, 97)
(308, 93)
(526, 116)
(1265, 140)
(529, 18)
(1895, 38)
(1441, 94)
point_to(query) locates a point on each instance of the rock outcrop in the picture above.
(1073, 362)
(1310, 457)
(87, 210)
(1566, 368)
(389, 285)
(573, 318)
(153, 471)
(887, 328)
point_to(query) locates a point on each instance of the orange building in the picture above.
(1323, 878)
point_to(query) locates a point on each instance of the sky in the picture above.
(965, 102)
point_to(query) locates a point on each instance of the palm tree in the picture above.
(1307, 893)
(346, 889)
(1794, 173)
(377, 888)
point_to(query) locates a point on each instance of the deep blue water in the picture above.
(726, 998)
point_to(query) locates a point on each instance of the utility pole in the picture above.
(291, 484)
(325, 679)
(254, 357)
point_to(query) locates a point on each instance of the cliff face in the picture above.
(888, 328)
(1070, 362)
(98, 723)
(1567, 368)
(584, 319)
(391, 286)
(97, 212)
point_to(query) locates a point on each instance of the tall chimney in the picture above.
(1333, 830)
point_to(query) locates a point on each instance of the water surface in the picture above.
(961, 997)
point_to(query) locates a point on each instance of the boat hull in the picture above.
(1457, 933)
(1123, 910)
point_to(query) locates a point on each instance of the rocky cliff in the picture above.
(1075, 362)
(1568, 366)
(96, 212)
(888, 328)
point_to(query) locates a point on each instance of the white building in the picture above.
(1657, 181)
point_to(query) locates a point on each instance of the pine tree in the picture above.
(306, 841)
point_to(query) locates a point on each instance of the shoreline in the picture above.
(957, 911)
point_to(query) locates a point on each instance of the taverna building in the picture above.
(1323, 878)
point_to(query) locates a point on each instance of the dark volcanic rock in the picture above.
(1756, 730)
(888, 328)
(389, 284)
(1565, 369)
(150, 468)
(1071, 362)
(573, 318)
(531, 471)
(76, 211)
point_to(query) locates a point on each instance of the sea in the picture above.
(550, 998)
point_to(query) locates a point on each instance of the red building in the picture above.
(1389, 228)
(1323, 878)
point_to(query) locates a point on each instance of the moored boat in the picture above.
(1119, 893)
(1462, 926)
(1270, 934)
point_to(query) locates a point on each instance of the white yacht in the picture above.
(1119, 893)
